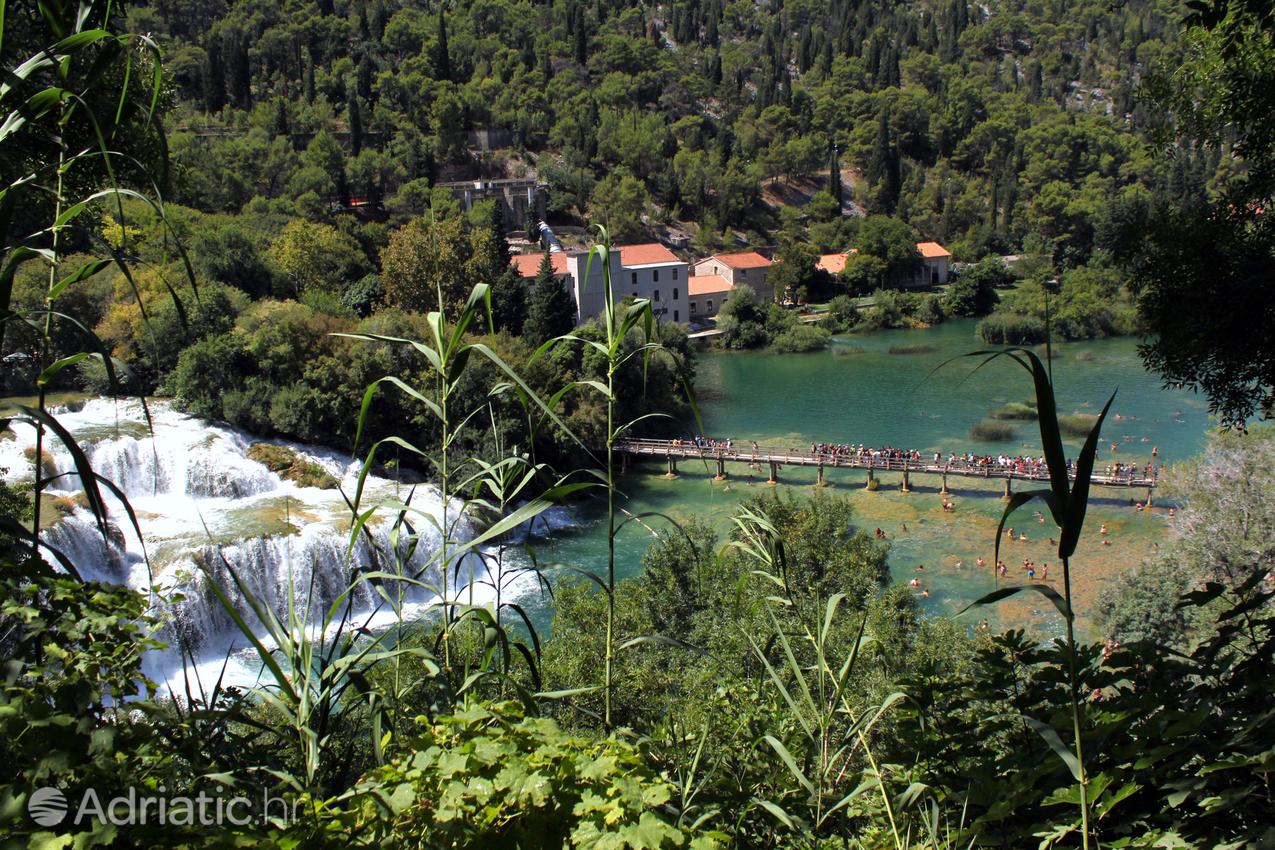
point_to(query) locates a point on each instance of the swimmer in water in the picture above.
(1103, 530)
(980, 561)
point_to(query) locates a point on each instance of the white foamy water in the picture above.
(210, 514)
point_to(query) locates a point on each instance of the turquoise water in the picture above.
(857, 391)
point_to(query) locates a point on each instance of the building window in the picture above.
(710, 305)
(675, 315)
(635, 278)
(674, 277)
(693, 308)
(657, 295)
(655, 276)
(675, 291)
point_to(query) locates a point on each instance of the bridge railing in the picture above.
(686, 449)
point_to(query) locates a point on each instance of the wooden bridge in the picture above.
(776, 458)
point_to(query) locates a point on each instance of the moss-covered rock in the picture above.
(286, 463)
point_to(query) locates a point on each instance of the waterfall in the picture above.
(208, 513)
(97, 558)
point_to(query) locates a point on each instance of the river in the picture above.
(882, 389)
(201, 501)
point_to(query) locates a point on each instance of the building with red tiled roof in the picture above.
(935, 261)
(647, 254)
(832, 263)
(705, 295)
(528, 265)
(744, 267)
(934, 268)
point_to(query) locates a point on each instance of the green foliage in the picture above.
(973, 292)
(842, 315)
(74, 654)
(551, 308)
(742, 319)
(1011, 329)
(1199, 249)
(893, 308)
(800, 337)
(891, 241)
(488, 774)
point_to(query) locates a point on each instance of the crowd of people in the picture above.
(859, 453)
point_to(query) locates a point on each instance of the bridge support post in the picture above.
(624, 462)
(774, 474)
(821, 482)
(672, 468)
(872, 481)
(721, 470)
(943, 489)
(906, 486)
(1009, 490)
(1150, 492)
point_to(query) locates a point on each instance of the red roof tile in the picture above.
(528, 265)
(832, 263)
(742, 260)
(932, 250)
(706, 284)
(649, 254)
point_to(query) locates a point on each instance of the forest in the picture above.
(238, 206)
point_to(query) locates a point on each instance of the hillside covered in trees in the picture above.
(979, 124)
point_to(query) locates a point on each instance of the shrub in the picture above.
(928, 310)
(801, 338)
(988, 431)
(1011, 329)
(912, 349)
(842, 315)
(488, 776)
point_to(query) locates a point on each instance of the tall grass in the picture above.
(67, 130)
(1067, 502)
(620, 320)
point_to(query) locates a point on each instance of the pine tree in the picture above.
(509, 303)
(551, 311)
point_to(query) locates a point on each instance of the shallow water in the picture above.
(859, 392)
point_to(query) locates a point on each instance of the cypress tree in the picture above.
(214, 77)
(356, 125)
(442, 58)
(581, 33)
(551, 310)
(281, 118)
(834, 175)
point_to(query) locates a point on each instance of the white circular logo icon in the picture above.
(47, 806)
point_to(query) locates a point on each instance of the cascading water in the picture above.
(209, 513)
